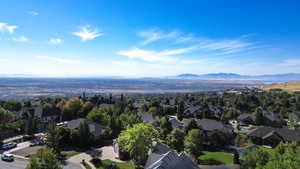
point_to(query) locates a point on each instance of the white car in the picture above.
(7, 157)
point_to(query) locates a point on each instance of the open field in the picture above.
(290, 86)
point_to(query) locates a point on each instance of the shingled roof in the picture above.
(211, 125)
(284, 133)
(164, 158)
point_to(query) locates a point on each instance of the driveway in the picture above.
(17, 164)
(21, 164)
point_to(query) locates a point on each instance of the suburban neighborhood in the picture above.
(194, 130)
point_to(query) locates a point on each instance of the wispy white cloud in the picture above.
(4, 27)
(86, 33)
(55, 41)
(55, 59)
(146, 55)
(20, 39)
(226, 46)
(152, 56)
(153, 35)
(192, 62)
(290, 62)
(33, 13)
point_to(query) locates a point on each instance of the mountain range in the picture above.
(234, 76)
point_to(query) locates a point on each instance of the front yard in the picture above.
(120, 165)
(211, 158)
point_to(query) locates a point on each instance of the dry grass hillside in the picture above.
(290, 86)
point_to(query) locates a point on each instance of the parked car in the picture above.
(9, 146)
(7, 157)
(37, 141)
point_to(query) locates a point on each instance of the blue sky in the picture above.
(136, 38)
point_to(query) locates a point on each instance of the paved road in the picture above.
(17, 164)
(21, 164)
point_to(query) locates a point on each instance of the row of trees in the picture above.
(284, 156)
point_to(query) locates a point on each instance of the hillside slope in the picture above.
(290, 86)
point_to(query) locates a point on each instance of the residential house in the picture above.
(107, 106)
(148, 117)
(216, 133)
(162, 157)
(193, 111)
(95, 129)
(272, 119)
(175, 122)
(271, 136)
(245, 119)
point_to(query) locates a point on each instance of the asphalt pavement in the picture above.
(17, 164)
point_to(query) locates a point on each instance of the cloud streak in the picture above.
(55, 59)
(4, 27)
(20, 39)
(153, 35)
(33, 13)
(55, 41)
(86, 33)
(153, 56)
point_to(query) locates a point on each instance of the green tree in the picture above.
(71, 109)
(44, 159)
(165, 125)
(258, 116)
(176, 139)
(5, 116)
(53, 138)
(137, 140)
(84, 134)
(129, 119)
(85, 109)
(190, 126)
(180, 110)
(293, 119)
(65, 136)
(99, 115)
(193, 142)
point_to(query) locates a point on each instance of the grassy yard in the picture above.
(71, 154)
(87, 166)
(106, 163)
(225, 158)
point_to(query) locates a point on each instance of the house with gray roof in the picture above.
(273, 119)
(148, 117)
(215, 132)
(162, 157)
(193, 111)
(271, 136)
(95, 128)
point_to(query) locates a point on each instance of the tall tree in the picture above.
(137, 140)
(258, 116)
(84, 134)
(165, 125)
(44, 159)
(193, 142)
(53, 138)
(176, 139)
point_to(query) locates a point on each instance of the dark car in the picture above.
(9, 146)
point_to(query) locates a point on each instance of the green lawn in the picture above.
(87, 166)
(225, 158)
(125, 165)
(71, 154)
